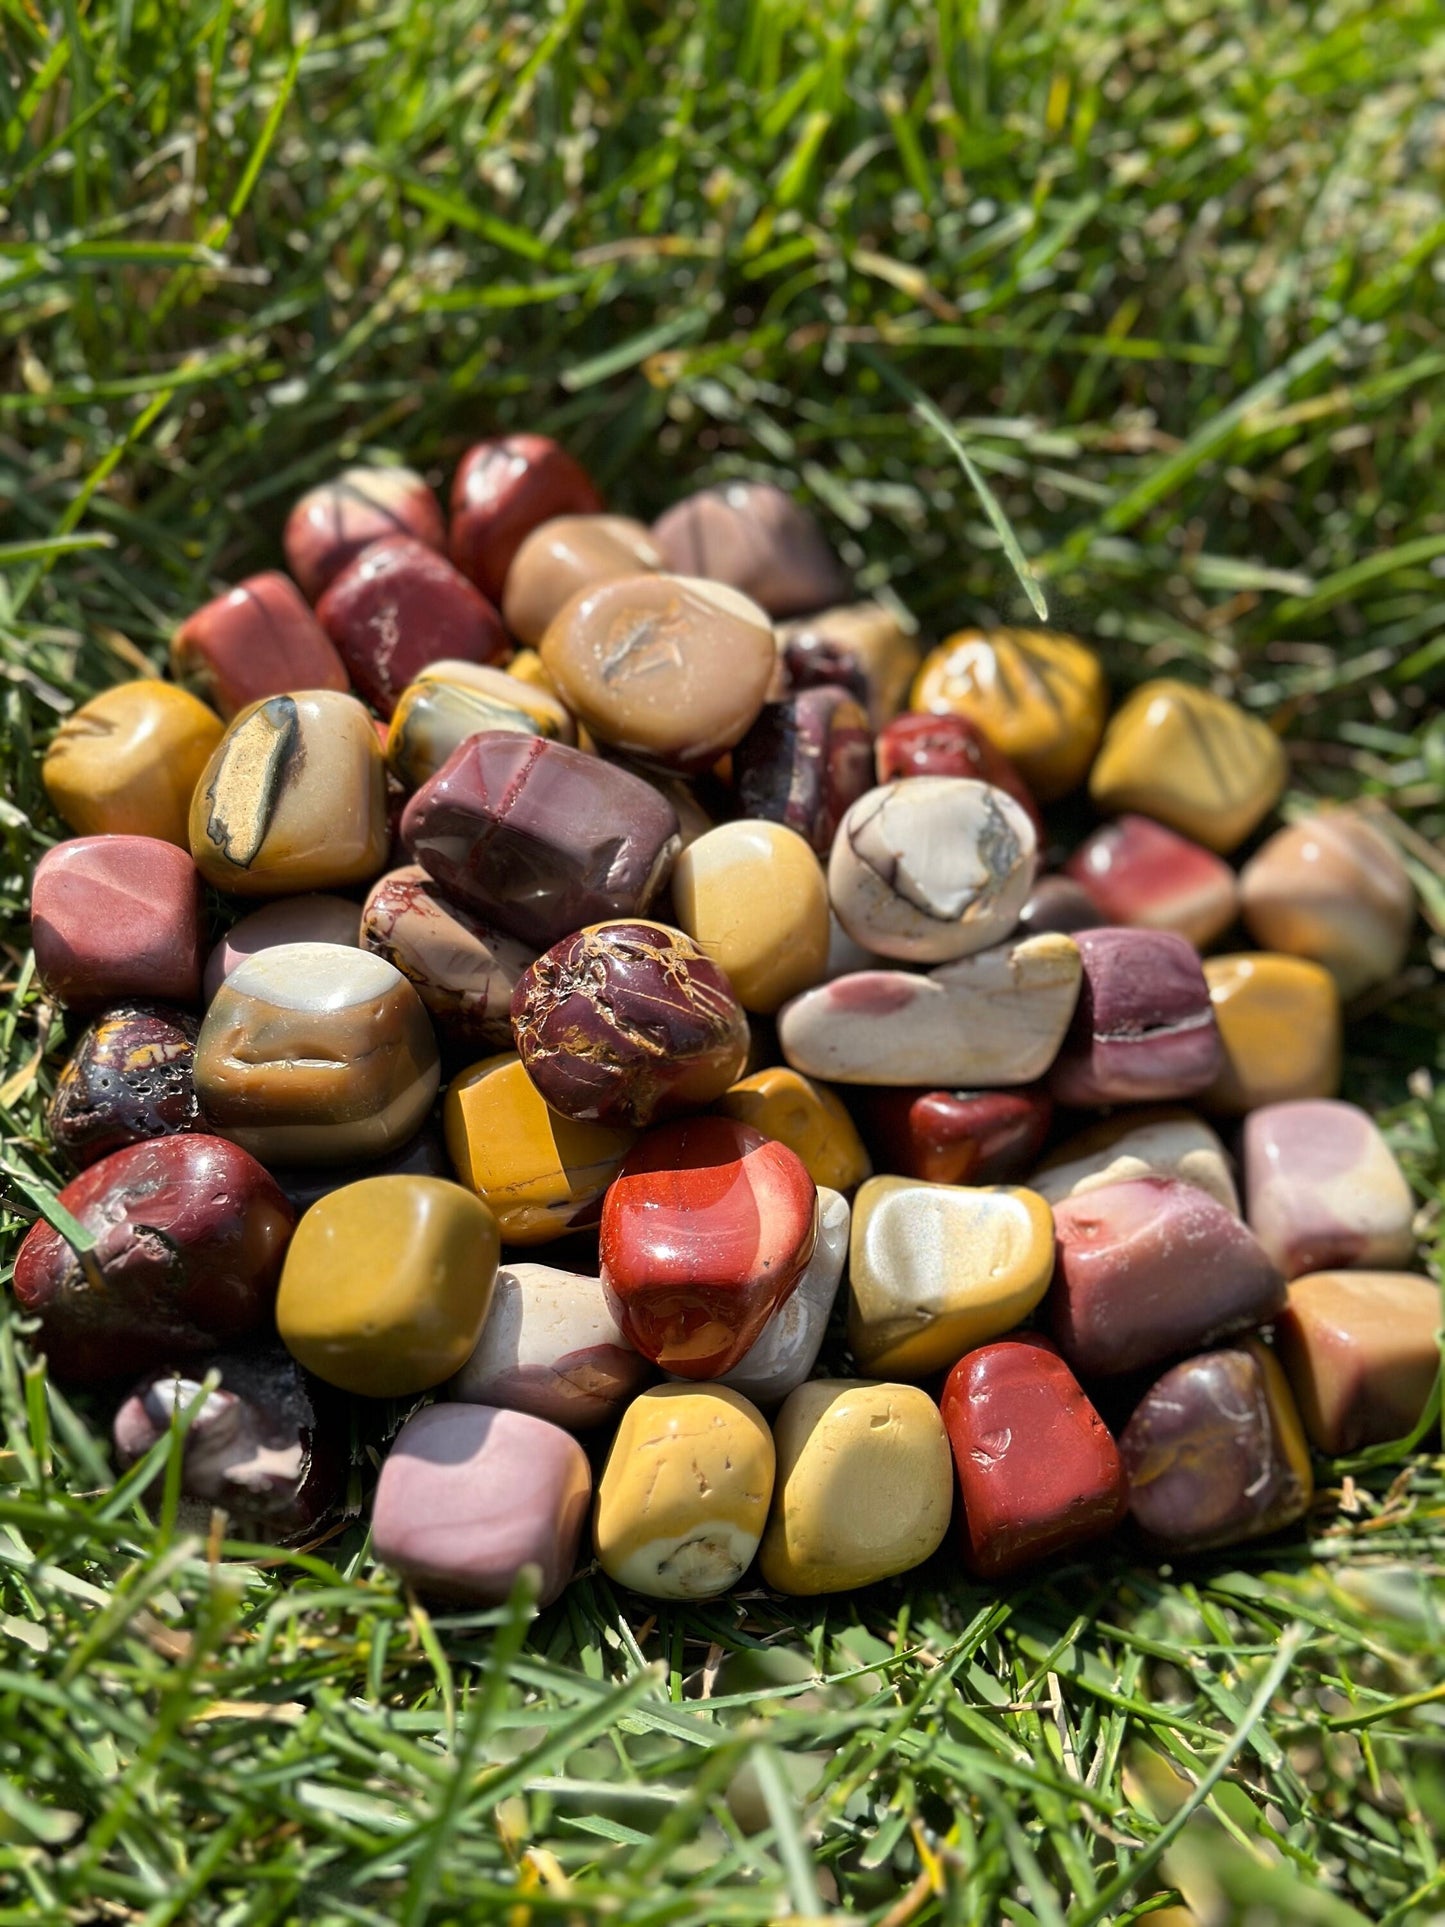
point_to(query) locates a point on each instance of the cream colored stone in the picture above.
(781, 1358)
(752, 897)
(1139, 1144)
(1332, 888)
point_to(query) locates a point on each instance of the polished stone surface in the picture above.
(1360, 1351)
(503, 489)
(757, 539)
(113, 917)
(922, 744)
(257, 640)
(752, 895)
(1058, 904)
(807, 1117)
(1280, 1031)
(451, 701)
(464, 972)
(804, 763)
(1141, 874)
(1332, 888)
(1160, 1142)
(126, 762)
(786, 1350)
(550, 1346)
(1144, 1030)
(956, 1137)
(562, 557)
(331, 525)
(869, 634)
(129, 1077)
(306, 919)
(1323, 1189)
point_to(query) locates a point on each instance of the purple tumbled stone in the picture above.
(1143, 1030)
(805, 761)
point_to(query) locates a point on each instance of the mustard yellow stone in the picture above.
(864, 1485)
(684, 1497)
(1038, 696)
(540, 1173)
(450, 701)
(127, 762)
(1190, 759)
(754, 899)
(1279, 1019)
(387, 1283)
(935, 1269)
(809, 1118)
(1288, 1428)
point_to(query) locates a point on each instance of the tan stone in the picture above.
(1332, 888)
(563, 557)
(1139, 1144)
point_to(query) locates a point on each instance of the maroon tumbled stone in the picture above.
(130, 1077)
(757, 538)
(113, 917)
(463, 971)
(504, 489)
(332, 524)
(804, 762)
(1143, 1030)
(1060, 905)
(814, 661)
(1140, 873)
(915, 744)
(956, 1137)
(257, 640)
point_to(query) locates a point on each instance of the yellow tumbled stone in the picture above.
(1038, 696)
(864, 1485)
(684, 1497)
(1190, 759)
(807, 1117)
(753, 898)
(127, 762)
(1279, 1021)
(935, 1269)
(541, 1173)
(386, 1284)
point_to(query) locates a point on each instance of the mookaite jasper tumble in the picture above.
(1323, 1189)
(1158, 1143)
(550, 1346)
(626, 1023)
(542, 1174)
(1061, 905)
(126, 762)
(502, 491)
(1192, 760)
(1039, 697)
(932, 868)
(1144, 1028)
(935, 1269)
(1151, 1268)
(1037, 1468)
(805, 762)
(469, 1498)
(1332, 888)
(753, 898)
(565, 556)
(332, 524)
(386, 1284)
(807, 1117)
(1139, 873)
(400, 606)
(706, 1229)
(540, 839)
(864, 1486)
(787, 1348)
(868, 634)
(293, 799)
(113, 917)
(313, 1054)
(957, 1137)
(463, 972)
(190, 1233)
(753, 536)
(257, 640)
(949, 745)
(684, 1496)
(304, 919)
(666, 668)
(129, 1078)
(1280, 1031)
(1215, 1453)
(451, 701)
(1360, 1351)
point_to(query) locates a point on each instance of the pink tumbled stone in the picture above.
(309, 919)
(759, 540)
(1323, 1190)
(1141, 874)
(333, 523)
(1143, 1030)
(551, 1346)
(257, 640)
(114, 917)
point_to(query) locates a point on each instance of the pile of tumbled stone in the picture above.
(717, 905)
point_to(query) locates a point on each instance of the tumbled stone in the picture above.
(542, 1174)
(1332, 888)
(808, 660)
(306, 919)
(386, 1284)
(126, 762)
(757, 539)
(1038, 696)
(1361, 1354)
(452, 701)
(190, 1233)
(809, 1118)
(315, 1054)
(539, 839)
(683, 1498)
(932, 868)
(463, 972)
(505, 488)
(1191, 759)
(1280, 1031)
(996, 1018)
(1058, 904)
(1323, 1189)
(331, 525)
(870, 634)
(706, 1229)
(1157, 1143)
(257, 640)
(268, 1445)
(129, 1078)
(470, 1498)
(957, 1137)
(804, 763)
(293, 799)
(562, 557)
(667, 668)
(113, 917)
(864, 1486)
(1215, 1453)
(786, 1350)
(550, 1346)
(1037, 1469)
(1141, 874)
(753, 897)
(1152, 1267)
(949, 745)
(1144, 1029)
(935, 1269)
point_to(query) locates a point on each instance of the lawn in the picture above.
(1139, 307)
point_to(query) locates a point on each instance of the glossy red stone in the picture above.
(399, 606)
(705, 1231)
(804, 762)
(258, 639)
(331, 525)
(190, 1233)
(505, 488)
(1143, 1030)
(956, 1137)
(1037, 1467)
(113, 917)
(1140, 873)
(130, 1077)
(920, 745)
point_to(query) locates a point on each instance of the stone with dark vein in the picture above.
(331, 525)
(1144, 1030)
(805, 762)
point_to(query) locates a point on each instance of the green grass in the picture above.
(1167, 273)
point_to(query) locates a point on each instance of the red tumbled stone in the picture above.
(705, 1231)
(503, 490)
(922, 745)
(332, 524)
(257, 640)
(1139, 873)
(957, 1137)
(113, 917)
(1037, 1467)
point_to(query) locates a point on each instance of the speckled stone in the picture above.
(1323, 1189)
(1058, 904)
(129, 1078)
(757, 539)
(753, 897)
(807, 1117)
(1144, 1029)
(504, 488)
(257, 640)
(956, 1137)
(873, 636)
(190, 1234)
(1141, 874)
(786, 1350)
(949, 745)
(805, 762)
(565, 556)
(1332, 888)
(113, 917)
(306, 919)
(452, 701)
(1361, 1354)
(1280, 1031)
(1156, 1143)
(126, 762)
(550, 1346)
(463, 972)
(332, 524)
